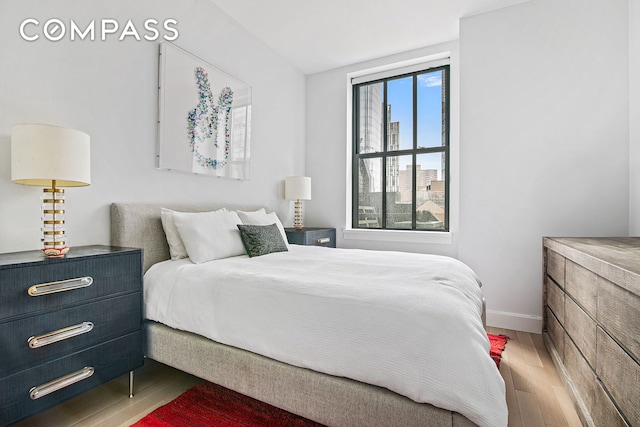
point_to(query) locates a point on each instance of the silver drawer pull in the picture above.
(60, 383)
(61, 286)
(60, 335)
(324, 240)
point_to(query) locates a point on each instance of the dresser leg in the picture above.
(130, 384)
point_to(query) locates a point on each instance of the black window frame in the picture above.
(414, 151)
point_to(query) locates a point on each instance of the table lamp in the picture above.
(297, 188)
(52, 157)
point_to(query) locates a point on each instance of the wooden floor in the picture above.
(535, 393)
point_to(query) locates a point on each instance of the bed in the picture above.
(309, 375)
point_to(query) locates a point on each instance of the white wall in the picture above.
(109, 90)
(543, 145)
(544, 134)
(634, 117)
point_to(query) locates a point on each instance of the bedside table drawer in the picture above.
(108, 361)
(321, 238)
(312, 236)
(46, 336)
(70, 283)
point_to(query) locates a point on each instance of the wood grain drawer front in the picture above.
(555, 267)
(555, 299)
(113, 274)
(556, 333)
(108, 360)
(582, 330)
(620, 374)
(593, 396)
(580, 283)
(604, 412)
(53, 334)
(619, 314)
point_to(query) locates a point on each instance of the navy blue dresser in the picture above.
(66, 325)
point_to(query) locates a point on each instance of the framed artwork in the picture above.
(204, 117)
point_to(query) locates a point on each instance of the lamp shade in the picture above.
(41, 154)
(297, 188)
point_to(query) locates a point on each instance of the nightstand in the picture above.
(312, 236)
(67, 325)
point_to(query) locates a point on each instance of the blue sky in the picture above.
(399, 96)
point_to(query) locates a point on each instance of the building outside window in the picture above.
(401, 151)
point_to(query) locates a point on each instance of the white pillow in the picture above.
(260, 217)
(210, 235)
(176, 247)
(251, 213)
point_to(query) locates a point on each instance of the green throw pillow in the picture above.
(261, 239)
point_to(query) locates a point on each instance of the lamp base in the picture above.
(297, 216)
(53, 235)
(55, 252)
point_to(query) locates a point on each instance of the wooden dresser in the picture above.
(66, 325)
(592, 324)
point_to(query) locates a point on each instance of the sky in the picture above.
(399, 96)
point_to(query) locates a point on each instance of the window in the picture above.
(401, 151)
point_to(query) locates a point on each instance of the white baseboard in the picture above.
(515, 321)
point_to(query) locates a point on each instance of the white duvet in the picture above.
(407, 322)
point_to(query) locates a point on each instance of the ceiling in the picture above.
(317, 35)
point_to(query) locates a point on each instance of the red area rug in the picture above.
(209, 404)
(498, 342)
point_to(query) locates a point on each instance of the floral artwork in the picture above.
(203, 121)
(204, 124)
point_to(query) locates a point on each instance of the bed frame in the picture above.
(330, 400)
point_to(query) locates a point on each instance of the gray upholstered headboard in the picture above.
(138, 225)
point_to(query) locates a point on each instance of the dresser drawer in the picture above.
(619, 314)
(580, 372)
(65, 331)
(556, 333)
(602, 409)
(108, 361)
(112, 274)
(580, 283)
(555, 299)
(555, 267)
(620, 374)
(582, 330)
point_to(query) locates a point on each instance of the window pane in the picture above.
(370, 193)
(400, 114)
(370, 119)
(399, 192)
(430, 191)
(430, 98)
